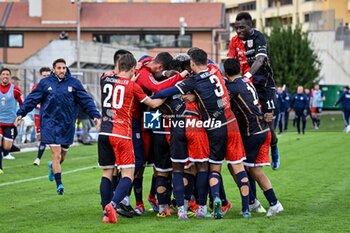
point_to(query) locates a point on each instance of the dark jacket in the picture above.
(58, 112)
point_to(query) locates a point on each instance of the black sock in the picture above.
(222, 192)
(179, 188)
(271, 197)
(169, 188)
(161, 181)
(152, 190)
(115, 181)
(5, 152)
(41, 150)
(202, 187)
(58, 179)
(241, 176)
(105, 191)
(252, 190)
(138, 189)
(189, 187)
(215, 189)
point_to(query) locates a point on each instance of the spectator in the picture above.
(344, 99)
(64, 35)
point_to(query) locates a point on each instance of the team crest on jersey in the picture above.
(70, 89)
(250, 43)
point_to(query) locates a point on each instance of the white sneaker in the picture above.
(36, 162)
(9, 156)
(257, 207)
(273, 210)
(347, 130)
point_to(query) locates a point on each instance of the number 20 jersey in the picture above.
(118, 96)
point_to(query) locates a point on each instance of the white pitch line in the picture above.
(43, 177)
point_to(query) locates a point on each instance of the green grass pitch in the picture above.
(313, 184)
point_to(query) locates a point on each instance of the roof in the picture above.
(124, 16)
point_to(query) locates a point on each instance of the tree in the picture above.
(293, 60)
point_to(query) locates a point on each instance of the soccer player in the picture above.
(317, 99)
(249, 46)
(188, 144)
(9, 97)
(254, 129)
(118, 94)
(146, 79)
(344, 99)
(59, 94)
(223, 132)
(44, 72)
(300, 104)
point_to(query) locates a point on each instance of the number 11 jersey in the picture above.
(118, 96)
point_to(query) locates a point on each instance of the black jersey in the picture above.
(245, 105)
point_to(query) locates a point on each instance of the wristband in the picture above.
(248, 75)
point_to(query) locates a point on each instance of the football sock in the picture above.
(138, 189)
(105, 191)
(222, 192)
(41, 150)
(202, 187)
(304, 125)
(152, 191)
(169, 188)
(126, 200)
(58, 179)
(214, 178)
(243, 185)
(5, 152)
(271, 197)
(122, 190)
(115, 181)
(189, 186)
(252, 190)
(161, 183)
(179, 188)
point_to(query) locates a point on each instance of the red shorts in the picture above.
(197, 144)
(257, 148)
(37, 123)
(234, 150)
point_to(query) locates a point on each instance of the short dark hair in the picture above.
(163, 58)
(126, 62)
(15, 78)
(59, 60)
(118, 54)
(198, 56)
(3, 69)
(232, 66)
(346, 87)
(244, 15)
(44, 69)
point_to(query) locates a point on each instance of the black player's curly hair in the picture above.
(232, 67)
(246, 16)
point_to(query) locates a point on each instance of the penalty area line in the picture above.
(43, 177)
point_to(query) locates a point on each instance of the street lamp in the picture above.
(78, 33)
(183, 25)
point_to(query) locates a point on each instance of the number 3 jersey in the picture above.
(245, 105)
(118, 96)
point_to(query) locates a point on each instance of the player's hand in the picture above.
(18, 121)
(189, 98)
(169, 73)
(268, 117)
(97, 123)
(135, 77)
(38, 136)
(184, 73)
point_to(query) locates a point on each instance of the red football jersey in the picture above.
(237, 50)
(118, 95)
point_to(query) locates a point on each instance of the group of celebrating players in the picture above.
(211, 118)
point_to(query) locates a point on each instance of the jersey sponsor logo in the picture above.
(49, 89)
(250, 43)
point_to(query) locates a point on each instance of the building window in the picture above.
(286, 2)
(249, 6)
(146, 40)
(131, 40)
(306, 18)
(15, 40)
